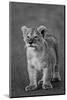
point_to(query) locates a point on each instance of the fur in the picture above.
(42, 55)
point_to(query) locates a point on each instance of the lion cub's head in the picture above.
(34, 37)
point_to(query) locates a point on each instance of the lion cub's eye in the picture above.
(36, 37)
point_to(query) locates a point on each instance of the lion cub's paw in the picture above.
(30, 87)
(47, 86)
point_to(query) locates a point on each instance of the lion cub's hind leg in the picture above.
(56, 74)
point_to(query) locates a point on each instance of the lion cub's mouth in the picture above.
(30, 45)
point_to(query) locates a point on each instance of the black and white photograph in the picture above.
(37, 49)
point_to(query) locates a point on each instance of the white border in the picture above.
(4, 49)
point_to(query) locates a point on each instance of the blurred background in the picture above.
(32, 15)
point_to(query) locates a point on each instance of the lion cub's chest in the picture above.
(35, 58)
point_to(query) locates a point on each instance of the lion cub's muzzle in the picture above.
(31, 42)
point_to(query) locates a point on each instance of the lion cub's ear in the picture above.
(42, 30)
(24, 29)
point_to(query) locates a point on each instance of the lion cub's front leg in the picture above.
(46, 84)
(32, 77)
(46, 81)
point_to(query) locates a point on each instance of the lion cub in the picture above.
(42, 55)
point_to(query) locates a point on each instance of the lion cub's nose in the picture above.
(30, 42)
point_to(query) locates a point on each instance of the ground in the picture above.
(58, 89)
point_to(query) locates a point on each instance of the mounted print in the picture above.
(37, 49)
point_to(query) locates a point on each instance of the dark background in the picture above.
(32, 15)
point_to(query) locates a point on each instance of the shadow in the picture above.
(56, 84)
(6, 95)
